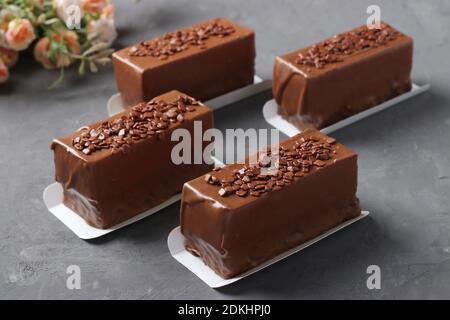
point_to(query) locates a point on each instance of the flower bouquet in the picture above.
(61, 32)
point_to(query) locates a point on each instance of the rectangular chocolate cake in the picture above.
(344, 75)
(115, 169)
(206, 60)
(237, 217)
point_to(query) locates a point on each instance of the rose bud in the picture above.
(38, 3)
(72, 43)
(42, 48)
(8, 56)
(4, 72)
(94, 6)
(41, 53)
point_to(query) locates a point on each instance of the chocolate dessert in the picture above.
(237, 217)
(115, 169)
(344, 75)
(205, 61)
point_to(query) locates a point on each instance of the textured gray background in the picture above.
(404, 177)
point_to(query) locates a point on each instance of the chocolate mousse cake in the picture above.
(240, 216)
(118, 168)
(341, 76)
(205, 60)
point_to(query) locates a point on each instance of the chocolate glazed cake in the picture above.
(205, 61)
(117, 168)
(339, 77)
(237, 217)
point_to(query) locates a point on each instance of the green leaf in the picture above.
(103, 61)
(93, 67)
(82, 67)
(52, 21)
(96, 47)
(102, 54)
(58, 81)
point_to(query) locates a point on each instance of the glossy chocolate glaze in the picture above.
(106, 188)
(312, 97)
(225, 64)
(234, 234)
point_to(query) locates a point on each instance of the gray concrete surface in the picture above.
(404, 176)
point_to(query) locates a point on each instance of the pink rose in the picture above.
(103, 30)
(94, 6)
(8, 56)
(4, 72)
(7, 14)
(20, 34)
(108, 12)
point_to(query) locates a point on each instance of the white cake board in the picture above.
(115, 104)
(53, 199)
(270, 113)
(176, 242)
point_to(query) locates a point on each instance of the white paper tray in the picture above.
(270, 113)
(115, 104)
(175, 242)
(53, 199)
